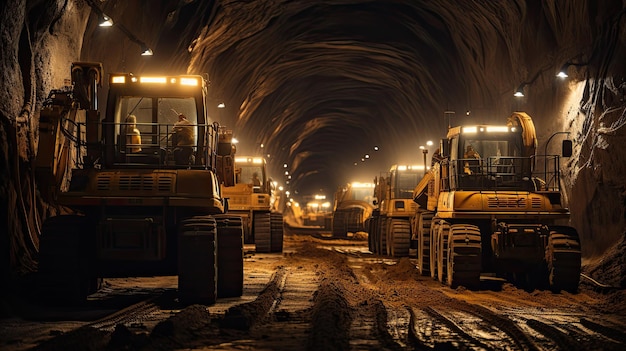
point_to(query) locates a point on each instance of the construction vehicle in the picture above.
(353, 205)
(485, 208)
(144, 194)
(317, 213)
(390, 223)
(252, 198)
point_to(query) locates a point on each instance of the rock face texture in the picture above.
(319, 83)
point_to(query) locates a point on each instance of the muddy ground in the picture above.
(325, 294)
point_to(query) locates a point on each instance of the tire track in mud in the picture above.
(456, 334)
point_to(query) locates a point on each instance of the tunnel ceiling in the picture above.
(320, 83)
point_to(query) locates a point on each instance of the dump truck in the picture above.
(351, 208)
(252, 198)
(487, 206)
(390, 223)
(143, 196)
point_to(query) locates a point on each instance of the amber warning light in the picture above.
(187, 81)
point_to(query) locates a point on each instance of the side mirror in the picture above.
(566, 148)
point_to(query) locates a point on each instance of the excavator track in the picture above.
(197, 260)
(563, 258)
(229, 256)
(400, 235)
(463, 256)
(262, 232)
(424, 240)
(276, 229)
(64, 261)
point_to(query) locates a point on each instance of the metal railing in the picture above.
(157, 147)
(504, 173)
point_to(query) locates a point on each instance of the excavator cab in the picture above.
(488, 157)
(157, 121)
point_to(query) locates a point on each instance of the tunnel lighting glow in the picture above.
(281, 188)
(429, 143)
(402, 168)
(284, 165)
(497, 129)
(562, 75)
(326, 205)
(189, 81)
(320, 197)
(470, 130)
(235, 141)
(221, 105)
(362, 185)
(118, 79)
(145, 51)
(257, 160)
(314, 204)
(160, 80)
(375, 148)
(133, 79)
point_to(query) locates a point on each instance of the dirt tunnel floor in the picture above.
(325, 294)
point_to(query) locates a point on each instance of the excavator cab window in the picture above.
(158, 123)
(405, 182)
(487, 160)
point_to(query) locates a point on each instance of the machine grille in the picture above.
(535, 202)
(164, 183)
(133, 182)
(103, 182)
(506, 202)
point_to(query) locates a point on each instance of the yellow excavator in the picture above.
(488, 207)
(139, 188)
(352, 207)
(390, 223)
(252, 198)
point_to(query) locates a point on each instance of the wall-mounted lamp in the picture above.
(146, 51)
(105, 21)
(519, 92)
(563, 71)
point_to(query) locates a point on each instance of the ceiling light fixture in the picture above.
(520, 90)
(105, 21)
(146, 51)
(563, 71)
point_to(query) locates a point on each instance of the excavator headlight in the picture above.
(189, 81)
(470, 130)
(497, 129)
(118, 79)
(161, 80)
